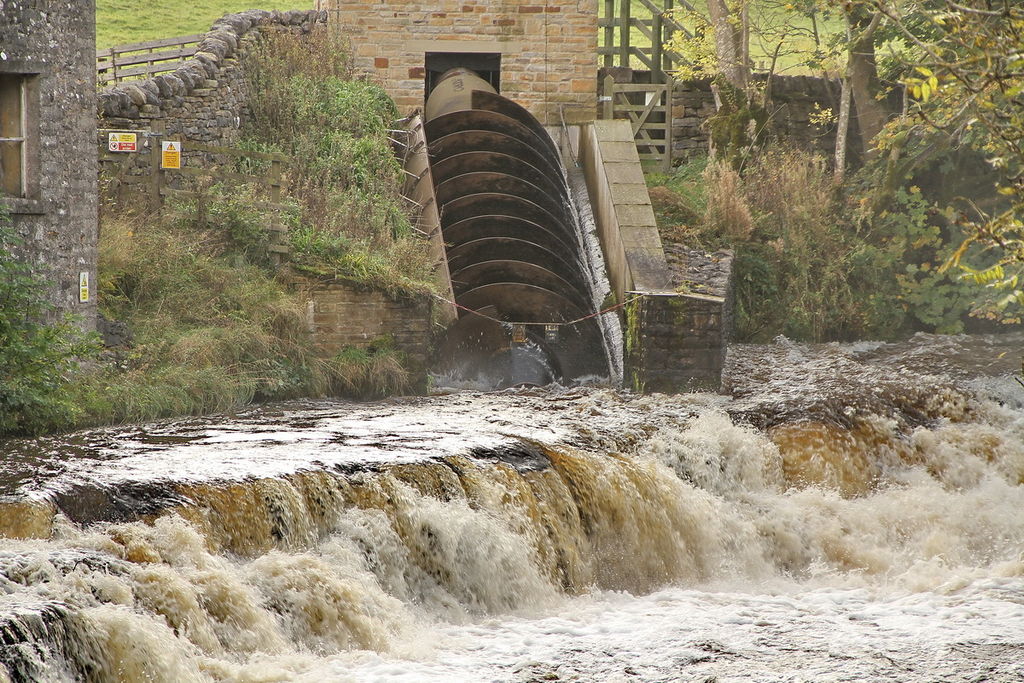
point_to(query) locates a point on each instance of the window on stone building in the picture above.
(13, 134)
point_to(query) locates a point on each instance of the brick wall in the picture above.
(548, 48)
(57, 216)
(341, 314)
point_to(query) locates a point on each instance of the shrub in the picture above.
(36, 356)
(727, 212)
(211, 330)
(815, 262)
(376, 371)
(799, 270)
(352, 221)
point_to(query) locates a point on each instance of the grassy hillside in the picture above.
(129, 21)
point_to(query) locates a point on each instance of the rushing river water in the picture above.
(846, 513)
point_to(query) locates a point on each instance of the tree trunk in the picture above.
(730, 41)
(862, 73)
(842, 131)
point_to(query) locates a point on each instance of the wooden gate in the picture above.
(648, 106)
(634, 33)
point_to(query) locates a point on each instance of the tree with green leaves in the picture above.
(964, 80)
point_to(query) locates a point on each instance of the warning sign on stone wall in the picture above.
(122, 142)
(170, 156)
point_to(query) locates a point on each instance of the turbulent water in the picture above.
(846, 513)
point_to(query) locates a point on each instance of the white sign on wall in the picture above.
(123, 142)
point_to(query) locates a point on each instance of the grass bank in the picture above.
(811, 262)
(130, 21)
(213, 324)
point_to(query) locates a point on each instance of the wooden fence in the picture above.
(151, 183)
(141, 60)
(648, 106)
(634, 33)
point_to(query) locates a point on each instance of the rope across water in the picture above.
(559, 324)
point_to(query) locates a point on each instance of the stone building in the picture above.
(48, 152)
(539, 53)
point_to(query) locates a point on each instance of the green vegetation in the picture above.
(808, 263)
(784, 34)
(936, 184)
(36, 357)
(345, 178)
(213, 328)
(119, 22)
(214, 323)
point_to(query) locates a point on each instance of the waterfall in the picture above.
(368, 558)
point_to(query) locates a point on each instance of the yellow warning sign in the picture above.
(83, 287)
(170, 156)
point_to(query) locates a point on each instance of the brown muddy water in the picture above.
(846, 513)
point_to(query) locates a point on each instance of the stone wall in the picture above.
(548, 49)
(204, 99)
(793, 100)
(692, 105)
(676, 342)
(341, 314)
(56, 213)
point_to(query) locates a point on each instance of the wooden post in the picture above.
(156, 174)
(609, 32)
(276, 257)
(625, 26)
(657, 28)
(668, 56)
(609, 98)
(669, 83)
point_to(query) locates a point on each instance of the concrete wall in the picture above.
(633, 253)
(53, 45)
(677, 314)
(548, 49)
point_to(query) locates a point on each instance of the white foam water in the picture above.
(879, 537)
